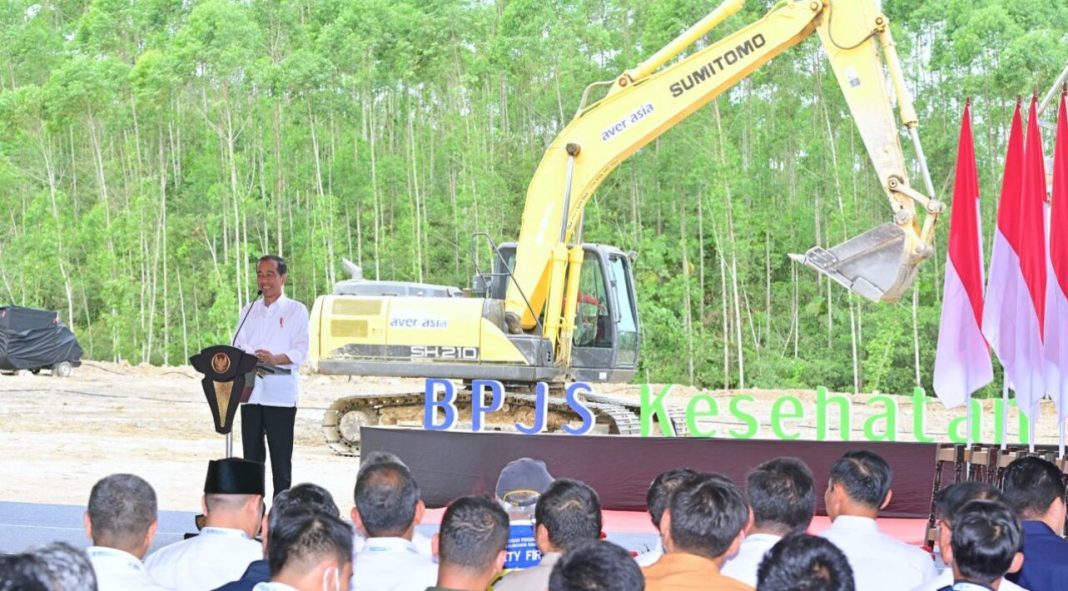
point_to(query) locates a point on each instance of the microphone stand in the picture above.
(233, 342)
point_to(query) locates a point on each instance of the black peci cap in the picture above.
(234, 476)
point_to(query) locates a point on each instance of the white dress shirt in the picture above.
(215, 557)
(392, 564)
(945, 579)
(119, 571)
(880, 562)
(281, 328)
(422, 544)
(743, 566)
(271, 586)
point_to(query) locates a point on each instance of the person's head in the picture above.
(567, 514)
(859, 485)
(233, 494)
(377, 457)
(951, 499)
(986, 542)
(521, 482)
(271, 275)
(122, 514)
(388, 502)
(311, 550)
(55, 567)
(1035, 490)
(300, 498)
(470, 543)
(801, 562)
(782, 495)
(596, 566)
(660, 489)
(706, 516)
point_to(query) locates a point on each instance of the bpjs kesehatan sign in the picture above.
(737, 416)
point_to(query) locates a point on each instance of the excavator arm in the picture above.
(649, 99)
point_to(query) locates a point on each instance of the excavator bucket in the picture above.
(879, 264)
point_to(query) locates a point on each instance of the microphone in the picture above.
(259, 292)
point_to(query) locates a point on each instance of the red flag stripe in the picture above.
(1058, 224)
(1008, 204)
(1031, 228)
(964, 221)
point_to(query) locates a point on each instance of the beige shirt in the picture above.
(678, 571)
(535, 578)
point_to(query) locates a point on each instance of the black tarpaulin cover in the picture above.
(32, 339)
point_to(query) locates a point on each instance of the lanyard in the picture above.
(130, 562)
(224, 532)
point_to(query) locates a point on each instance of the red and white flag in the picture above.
(962, 360)
(1056, 334)
(999, 310)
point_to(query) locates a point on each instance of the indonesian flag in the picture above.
(999, 311)
(962, 360)
(1027, 368)
(1057, 287)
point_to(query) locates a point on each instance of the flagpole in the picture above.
(1005, 415)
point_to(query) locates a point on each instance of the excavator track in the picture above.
(676, 415)
(342, 421)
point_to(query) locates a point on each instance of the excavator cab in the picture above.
(607, 337)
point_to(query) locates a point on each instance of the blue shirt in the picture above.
(257, 572)
(1045, 566)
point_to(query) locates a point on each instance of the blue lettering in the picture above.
(576, 404)
(446, 404)
(479, 408)
(541, 411)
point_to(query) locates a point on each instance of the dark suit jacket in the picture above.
(257, 572)
(1045, 566)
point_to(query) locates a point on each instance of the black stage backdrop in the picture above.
(450, 464)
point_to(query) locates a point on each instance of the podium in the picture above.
(229, 376)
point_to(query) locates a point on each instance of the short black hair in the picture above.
(782, 494)
(707, 514)
(386, 497)
(865, 476)
(950, 500)
(570, 512)
(1031, 485)
(802, 562)
(299, 498)
(596, 566)
(121, 509)
(305, 538)
(474, 531)
(660, 489)
(986, 538)
(279, 261)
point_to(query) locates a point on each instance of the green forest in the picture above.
(152, 150)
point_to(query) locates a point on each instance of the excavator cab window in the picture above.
(626, 317)
(592, 321)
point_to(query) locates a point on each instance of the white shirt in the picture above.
(743, 566)
(422, 544)
(119, 571)
(945, 579)
(271, 586)
(215, 557)
(392, 564)
(880, 562)
(279, 328)
(647, 558)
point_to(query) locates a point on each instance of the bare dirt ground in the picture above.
(59, 436)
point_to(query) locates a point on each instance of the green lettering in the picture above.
(889, 417)
(919, 405)
(778, 414)
(961, 423)
(821, 414)
(748, 419)
(693, 413)
(655, 410)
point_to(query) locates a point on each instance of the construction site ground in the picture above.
(60, 435)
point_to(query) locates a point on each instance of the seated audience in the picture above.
(985, 545)
(566, 515)
(309, 551)
(801, 562)
(388, 507)
(287, 503)
(519, 485)
(422, 543)
(1035, 490)
(656, 500)
(121, 521)
(859, 487)
(233, 506)
(596, 566)
(948, 503)
(55, 567)
(470, 544)
(782, 497)
(702, 527)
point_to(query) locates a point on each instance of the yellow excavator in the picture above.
(555, 309)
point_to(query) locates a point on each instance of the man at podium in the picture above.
(274, 328)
